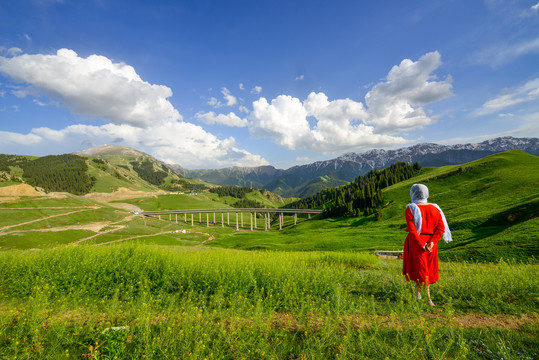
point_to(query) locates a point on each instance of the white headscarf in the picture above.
(419, 194)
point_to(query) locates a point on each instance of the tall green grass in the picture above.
(136, 301)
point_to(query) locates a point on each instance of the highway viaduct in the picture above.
(189, 215)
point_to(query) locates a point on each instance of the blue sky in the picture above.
(211, 84)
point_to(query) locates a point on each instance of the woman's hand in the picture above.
(429, 246)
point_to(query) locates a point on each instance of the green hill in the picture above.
(491, 206)
(117, 166)
(101, 169)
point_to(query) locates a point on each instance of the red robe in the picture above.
(420, 265)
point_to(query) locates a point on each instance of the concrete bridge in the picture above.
(189, 215)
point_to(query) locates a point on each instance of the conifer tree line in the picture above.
(246, 203)
(146, 172)
(59, 173)
(360, 197)
(6, 161)
(231, 190)
(183, 185)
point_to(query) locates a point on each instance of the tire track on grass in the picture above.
(47, 217)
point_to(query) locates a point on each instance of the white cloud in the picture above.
(256, 90)
(241, 86)
(27, 37)
(394, 105)
(230, 99)
(14, 51)
(214, 102)
(503, 53)
(139, 113)
(39, 102)
(535, 7)
(299, 78)
(244, 109)
(176, 142)
(523, 126)
(8, 138)
(229, 120)
(285, 120)
(525, 93)
(93, 86)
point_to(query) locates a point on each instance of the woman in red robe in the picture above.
(426, 224)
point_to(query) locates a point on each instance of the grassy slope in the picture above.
(490, 207)
(203, 302)
(108, 182)
(203, 200)
(216, 303)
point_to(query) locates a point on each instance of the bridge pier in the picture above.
(238, 213)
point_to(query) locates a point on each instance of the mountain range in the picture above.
(306, 180)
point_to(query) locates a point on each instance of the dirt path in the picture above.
(473, 320)
(208, 240)
(113, 229)
(95, 227)
(290, 322)
(134, 237)
(48, 217)
(51, 208)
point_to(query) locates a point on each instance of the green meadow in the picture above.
(83, 279)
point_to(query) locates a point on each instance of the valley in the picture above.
(77, 266)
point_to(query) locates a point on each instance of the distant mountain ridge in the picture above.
(257, 176)
(305, 180)
(107, 151)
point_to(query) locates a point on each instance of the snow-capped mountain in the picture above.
(303, 180)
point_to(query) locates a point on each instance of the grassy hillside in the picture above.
(110, 177)
(136, 301)
(491, 206)
(93, 171)
(203, 200)
(134, 287)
